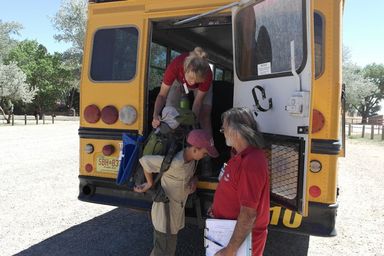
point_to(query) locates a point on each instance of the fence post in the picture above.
(363, 132)
(53, 119)
(25, 119)
(372, 131)
(13, 119)
(349, 129)
(43, 118)
(37, 119)
(382, 132)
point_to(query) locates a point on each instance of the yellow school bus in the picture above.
(280, 58)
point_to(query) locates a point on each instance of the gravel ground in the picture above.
(40, 213)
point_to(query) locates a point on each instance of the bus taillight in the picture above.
(108, 150)
(109, 114)
(314, 191)
(318, 121)
(88, 167)
(92, 114)
(128, 114)
(89, 148)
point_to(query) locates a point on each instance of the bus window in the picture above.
(158, 63)
(228, 76)
(263, 43)
(319, 44)
(219, 74)
(174, 54)
(114, 54)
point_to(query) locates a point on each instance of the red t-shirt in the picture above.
(245, 182)
(175, 70)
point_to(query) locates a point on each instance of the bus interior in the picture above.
(214, 35)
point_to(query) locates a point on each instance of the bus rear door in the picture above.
(273, 77)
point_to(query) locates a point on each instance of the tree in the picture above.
(44, 72)
(13, 87)
(6, 42)
(70, 21)
(360, 92)
(364, 87)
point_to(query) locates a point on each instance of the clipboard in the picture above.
(217, 234)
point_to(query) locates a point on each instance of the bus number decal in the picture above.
(290, 219)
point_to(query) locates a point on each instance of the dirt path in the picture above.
(360, 220)
(40, 213)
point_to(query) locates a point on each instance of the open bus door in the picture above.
(273, 77)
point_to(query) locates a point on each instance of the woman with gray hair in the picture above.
(243, 190)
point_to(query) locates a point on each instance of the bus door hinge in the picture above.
(302, 129)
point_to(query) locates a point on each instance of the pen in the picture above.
(213, 241)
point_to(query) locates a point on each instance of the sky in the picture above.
(34, 16)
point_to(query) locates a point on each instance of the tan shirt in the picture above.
(175, 183)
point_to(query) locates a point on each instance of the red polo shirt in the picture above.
(245, 182)
(175, 70)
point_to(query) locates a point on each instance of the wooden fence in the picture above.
(31, 119)
(371, 131)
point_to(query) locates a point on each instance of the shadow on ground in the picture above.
(125, 232)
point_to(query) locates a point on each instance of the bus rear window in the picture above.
(114, 54)
(263, 35)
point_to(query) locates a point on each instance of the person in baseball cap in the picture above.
(177, 182)
(201, 139)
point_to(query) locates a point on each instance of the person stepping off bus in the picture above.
(177, 182)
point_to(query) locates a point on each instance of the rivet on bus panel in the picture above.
(109, 114)
(314, 191)
(89, 167)
(92, 114)
(315, 166)
(89, 148)
(318, 121)
(108, 150)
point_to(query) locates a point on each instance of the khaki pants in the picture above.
(164, 244)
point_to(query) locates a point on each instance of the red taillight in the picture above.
(109, 114)
(108, 150)
(88, 167)
(314, 191)
(92, 114)
(318, 121)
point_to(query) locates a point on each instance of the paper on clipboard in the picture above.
(217, 234)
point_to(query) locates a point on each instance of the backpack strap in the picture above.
(171, 152)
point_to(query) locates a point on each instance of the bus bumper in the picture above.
(320, 221)
(106, 191)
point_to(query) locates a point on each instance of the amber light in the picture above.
(318, 121)
(109, 114)
(88, 167)
(108, 150)
(314, 191)
(92, 114)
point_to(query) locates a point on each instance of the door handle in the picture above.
(263, 97)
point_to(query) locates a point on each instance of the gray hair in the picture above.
(242, 121)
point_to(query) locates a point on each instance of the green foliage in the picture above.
(364, 87)
(44, 72)
(70, 21)
(375, 73)
(158, 61)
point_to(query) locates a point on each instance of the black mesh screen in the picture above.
(285, 158)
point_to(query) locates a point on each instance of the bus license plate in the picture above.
(107, 164)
